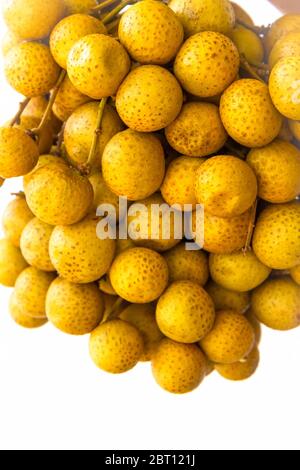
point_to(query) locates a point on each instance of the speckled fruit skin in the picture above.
(35, 244)
(240, 272)
(9, 41)
(133, 164)
(204, 15)
(295, 129)
(248, 113)
(280, 28)
(226, 186)
(178, 368)
(43, 161)
(73, 308)
(198, 130)
(241, 15)
(139, 275)
(21, 318)
(67, 100)
(277, 168)
(249, 45)
(78, 254)
(58, 195)
(276, 304)
(79, 6)
(241, 370)
(185, 312)
(30, 69)
(143, 318)
(225, 299)
(187, 265)
(97, 64)
(284, 87)
(18, 152)
(207, 64)
(295, 274)
(102, 194)
(149, 99)
(231, 339)
(15, 218)
(287, 46)
(32, 19)
(12, 263)
(116, 346)
(276, 236)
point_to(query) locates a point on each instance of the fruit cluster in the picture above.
(185, 103)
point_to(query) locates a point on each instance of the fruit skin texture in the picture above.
(226, 186)
(43, 161)
(249, 45)
(187, 265)
(295, 129)
(276, 236)
(225, 299)
(139, 275)
(207, 64)
(73, 308)
(284, 87)
(30, 69)
(242, 370)
(240, 272)
(198, 130)
(276, 304)
(277, 168)
(287, 46)
(248, 113)
(35, 244)
(78, 254)
(111, 59)
(79, 6)
(18, 152)
(178, 368)
(12, 263)
(295, 274)
(283, 26)
(231, 339)
(15, 218)
(67, 100)
(116, 346)
(21, 318)
(185, 312)
(149, 99)
(102, 194)
(133, 165)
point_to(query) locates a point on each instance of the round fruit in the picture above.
(241, 15)
(207, 64)
(295, 273)
(280, 28)
(43, 161)
(149, 99)
(139, 275)
(17, 314)
(287, 46)
(35, 244)
(225, 299)
(295, 129)
(116, 346)
(198, 130)
(241, 370)
(285, 87)
(18, 152)
(187, 265)
(9, 41)
(16, 216)
(249, 45)
(12, 263)
(248, 113)
(256, 325)
(67, 100)
(102, 194)
(123, 245)
(79, 6)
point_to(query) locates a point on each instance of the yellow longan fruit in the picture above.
(12, 263)
(15, 218)
(43, 161)
(35, 244)
(284, 25)
(249, 45)
(241, 370)
(102, 194)
(256, 325)
(295, 129)
(18, 152)
(225, 299)
(123, 245)
(287, 46)
(241, 15)
(21, 318)
(185, 265)
(295, 273)
(79, 6)
(9, 41)
(284, 87)
(67, 100)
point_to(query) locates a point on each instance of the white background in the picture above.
(53, 397)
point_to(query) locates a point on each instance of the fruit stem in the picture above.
(97, 132)
(115, 310)
(102, 5)
(16, 118)
(110, 16)
(113, 24)
(251, 227)
(19, 194)
(251, 70)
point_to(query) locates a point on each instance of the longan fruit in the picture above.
(284, 25)
(284, 87)
(43, 161)
(225, 299)
(67, 100)
(18, 152)
(46, 136)
(241, 370)
(35, 244)
(102, 194)
(249, 45)
(15, 218)
(79, 6)
(185, 265)
(12, 263)
(21, 318)
(256, 325)
(123, 245)
(241, 15)
(287, 46)
(295, 274)
(9, 41)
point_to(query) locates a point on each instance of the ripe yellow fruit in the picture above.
(123, 245)
(18, 152)
(16, 216)
(284, 87)
(295, 129)
(149, 99)
(280, 28)
(287, 46)
(277, 304)
(79, 6)
(9, 41)
(207, 64)
(277, 168)
(139, 275)
(133, 164)
(225, 299)
(116, 346)
(198, 130)
(43, 161)
(187, 265)
(241, 15)
(248, 113)
(73, 308)
(18, 315)
(97, 64)
(231, 339)
(12, 263)
(102, 194)
(185, 312)
(78, 254)
(226, 186)
(249, 45)
(35, 244)
(241, 370)
(295, 274)
(240, 272)
(178, 368)
(276, 236)
(30, 69)
(67, 100)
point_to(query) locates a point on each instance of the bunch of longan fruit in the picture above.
(182, 103)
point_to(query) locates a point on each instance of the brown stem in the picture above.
(16, 118)
(251, 70)
(19, 194)
(251, 227)
(110, 16)
(2, 181)
(102, 5)
(115, 310)
(97, 132)
(60, 139)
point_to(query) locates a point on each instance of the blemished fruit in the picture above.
(198, 130)
(12, 263)
(102, 194)
(276, 236)
(16, 216)
(78, 254)
(73, 308)
(287, 46)
(143, 318)
(276, 304)
(248, 114)
(284, 87)
(249, 45)
(277, 168)
(231, 339)
(67, 100)
(295, 129)
(151, 32)
(30, 69)
(225, 299)
(79, 6)
(226, 186)
(116, 346)
(295, 274)
(139, 275)
(18, 152)
(241, 370)
(97, 64)
(207, 64)
(185, 312)
(178, 368)
(9, 41)
(133, 164)
(187, 265)
(240, 272)
(280, 28)
(35, 244)
(21, 318)
(241, 15)
(149, 99)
